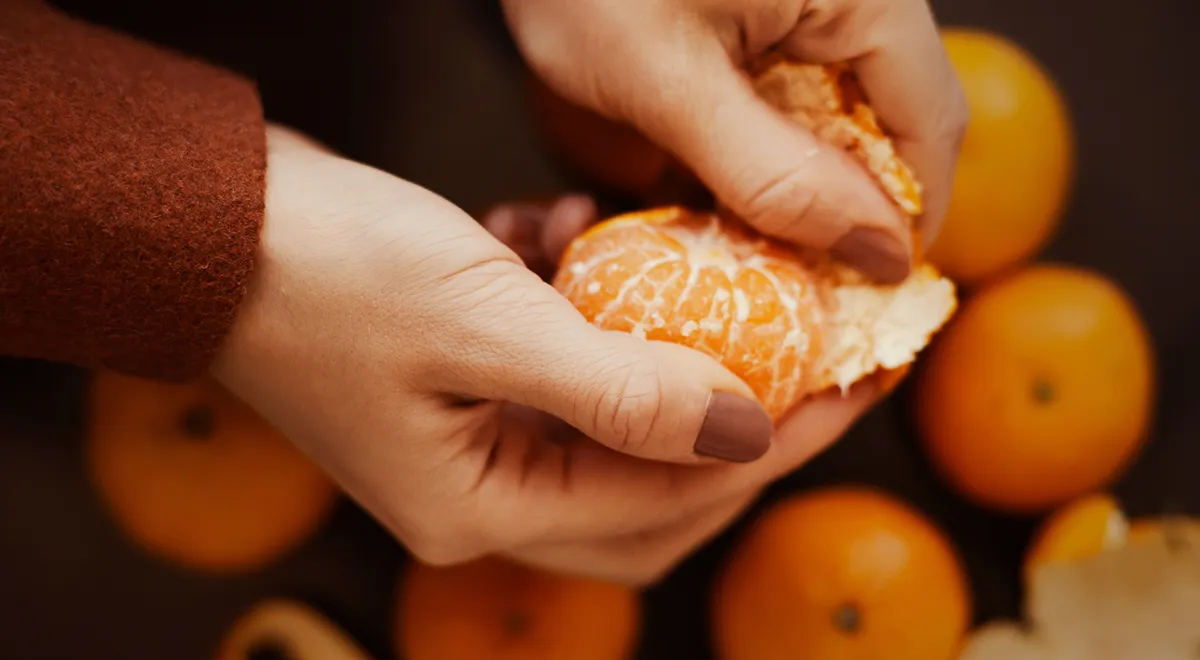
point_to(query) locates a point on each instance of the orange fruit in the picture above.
(827, 100)
(1171, 527)
(788, 322)
(492, 609)
(611, 154)
(1040, 391)
(195, 476)
(1083, 528)
(1016, 166)
(842, 572)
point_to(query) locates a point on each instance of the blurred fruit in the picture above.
(890, 379)
(492, 609)
(195, 476)
(1040, 391)
(280, 629)
(1083, 528)
(1017, 162)
(1168, 528)
(843, 572)
(612, 155)
(787, 324)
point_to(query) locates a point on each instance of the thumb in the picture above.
(652, 400)
(766, 168)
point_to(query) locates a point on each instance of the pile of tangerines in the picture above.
(1031, 401)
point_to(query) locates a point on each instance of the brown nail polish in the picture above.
(877, 253)
(735, 429)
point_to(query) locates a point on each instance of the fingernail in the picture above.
(735, 429)
(877, 253)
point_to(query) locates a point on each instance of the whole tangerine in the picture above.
(193, 475)
(494, 609)
(611, 154)
(1173, 529)
(1039, 392)
(842, 572)
(1080, 529)
(789, 322)
(1016, 165)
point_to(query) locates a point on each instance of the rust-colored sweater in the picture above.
(131, 197)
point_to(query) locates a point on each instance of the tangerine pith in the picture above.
(787, 321)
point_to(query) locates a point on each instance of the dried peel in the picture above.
(290, 629)
(1140, 601)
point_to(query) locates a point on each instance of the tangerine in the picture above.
(787, 321)
(611, 154)
(1083, 528)
(842, 572)
(1016, 164)
(1172, 529)
(192, 474)
(494, 609)
(827, 100)
(1040, 391)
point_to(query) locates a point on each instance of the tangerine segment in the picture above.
(828, 101)
(787, 322)
(1081, 529)
(194, 475)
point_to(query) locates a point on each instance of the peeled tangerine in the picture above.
(788, 321)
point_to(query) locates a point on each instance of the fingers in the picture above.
(639, 559)
(553, 494)
(767, 169)
(567, 218)
(518, 340)
(539, 233)
(907, 76)
(507, 487)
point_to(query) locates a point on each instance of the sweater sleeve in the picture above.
(131, 197)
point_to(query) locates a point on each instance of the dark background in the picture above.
(430, 90)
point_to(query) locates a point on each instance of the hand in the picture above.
(385, 332)
(540, 232)
(672, 68)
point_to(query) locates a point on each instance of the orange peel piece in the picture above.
(828, 100)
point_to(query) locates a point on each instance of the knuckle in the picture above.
(630, 413)
(780, 201)
(951, 126)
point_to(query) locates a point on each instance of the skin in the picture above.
(462, 401)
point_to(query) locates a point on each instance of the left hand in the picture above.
(539, 233)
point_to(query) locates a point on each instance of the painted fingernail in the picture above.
(877, 253)
(735, 429)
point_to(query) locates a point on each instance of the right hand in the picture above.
(412, 355)
(674, 70)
